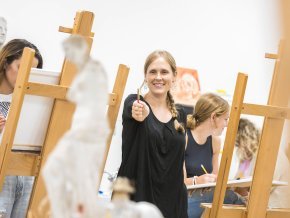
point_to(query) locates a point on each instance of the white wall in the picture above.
(218, 38)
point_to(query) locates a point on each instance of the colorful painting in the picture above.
(187, 88)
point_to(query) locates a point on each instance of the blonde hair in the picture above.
(206, 105)
(247, 140)
(170, 101)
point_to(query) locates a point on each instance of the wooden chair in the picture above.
(30, 164)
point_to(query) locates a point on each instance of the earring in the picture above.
(145, 87)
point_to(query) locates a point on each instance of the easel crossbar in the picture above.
(46, 90)
(266, 111)
(57, 91)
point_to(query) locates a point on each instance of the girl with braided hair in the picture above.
(153, 140)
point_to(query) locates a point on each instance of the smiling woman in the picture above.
(153, 140)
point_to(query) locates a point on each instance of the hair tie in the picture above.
(196, 117)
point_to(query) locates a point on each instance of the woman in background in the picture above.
(16, 190)
(204, 126)
(247, 142)
(153, 140)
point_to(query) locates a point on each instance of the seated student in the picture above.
(204, 126)
(15, 194)
(246, 147)
(247, 142)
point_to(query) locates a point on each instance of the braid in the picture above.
(174, 112)
(171, 105)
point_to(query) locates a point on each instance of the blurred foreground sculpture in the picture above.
(3, 30)
(122, 207)
(71, 170)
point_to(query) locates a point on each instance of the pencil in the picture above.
(204, 170)
(138, 95)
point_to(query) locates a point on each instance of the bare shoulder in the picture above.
(216, 143)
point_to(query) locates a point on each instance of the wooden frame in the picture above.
(30, 164)
(275, 112)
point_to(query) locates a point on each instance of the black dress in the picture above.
(153, 156)
(188, 109)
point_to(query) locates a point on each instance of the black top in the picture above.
(188, 109)
(197, 154)
(153, 156)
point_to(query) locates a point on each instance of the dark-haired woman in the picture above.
(15, 195)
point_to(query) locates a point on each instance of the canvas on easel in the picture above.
(186, 90)
(31, 130)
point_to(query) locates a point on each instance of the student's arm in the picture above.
(205, 178)
(2, 122)
(216, 146)
(187, 181)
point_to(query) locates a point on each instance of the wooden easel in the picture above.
(275, 112)
(27, 164)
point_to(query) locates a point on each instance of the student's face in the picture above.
(220, 123)
(12, 71)
(159, 77)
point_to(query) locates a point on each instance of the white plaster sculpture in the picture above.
(122, 207)
(71, 170)
(3, 30)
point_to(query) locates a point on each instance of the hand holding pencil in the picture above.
(139, 91)
(206, 178)
(204, 170)
(140, 109)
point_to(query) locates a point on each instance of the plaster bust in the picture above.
(3, 30)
